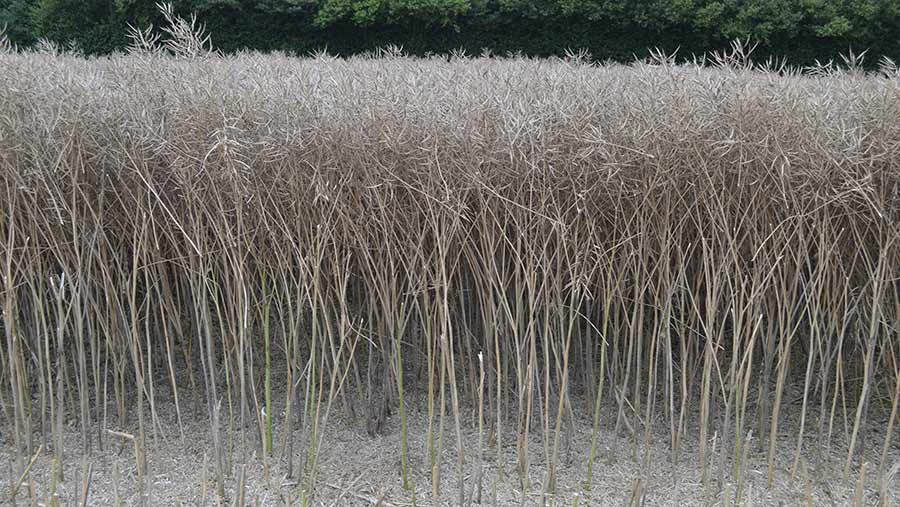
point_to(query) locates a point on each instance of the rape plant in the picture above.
(674, 245)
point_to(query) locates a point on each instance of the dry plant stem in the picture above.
(859, 493)
(86, 485)
(479, 466)
(18, 484)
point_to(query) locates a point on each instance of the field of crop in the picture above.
(268, 280)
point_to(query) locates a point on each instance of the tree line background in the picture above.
(802, 31)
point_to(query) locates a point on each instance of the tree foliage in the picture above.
(808, 27)
(371, 12)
